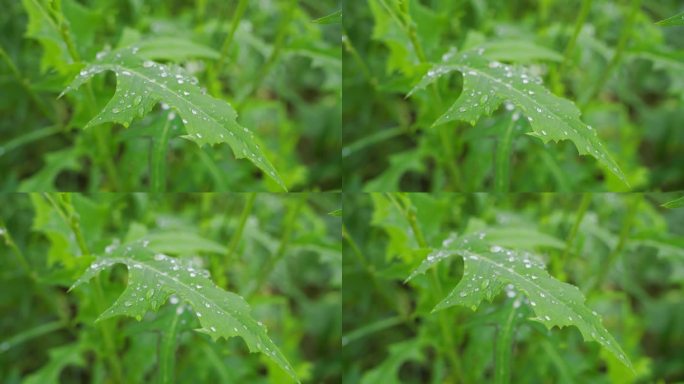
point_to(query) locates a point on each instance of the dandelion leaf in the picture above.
(154, 277)
(143, 83)
(488, 269)
(487, 84)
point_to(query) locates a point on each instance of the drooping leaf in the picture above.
(488, 268)
(488, 84)
(153, 277)
(677, 19)
(142, 83)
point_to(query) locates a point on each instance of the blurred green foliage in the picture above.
(279, 69)
(625, 252)
(282, 253)
(609, 57)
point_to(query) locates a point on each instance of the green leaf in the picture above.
(519, 51)
(677, 19)
(173, 49)
(182, 243)
(60, 358)
(676, 203)
(143, 83)
(488, 84)
(55, 163)
(399, 353)
(153, 277)
(488, 268)
(333, 18)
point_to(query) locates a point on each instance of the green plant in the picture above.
(472, 287)
(263, 81)
(434, 92)
(179, 309)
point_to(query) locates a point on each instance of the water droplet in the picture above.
(194, 112)
(148, 63)
(149, 294)
(180, 81)
(533, 303)
(547, 318)
(115, 110)
(199, 314)
(128, 303)
(137, 100)
(213, 329)
(496, 249)
(174, 300)
(543, 132)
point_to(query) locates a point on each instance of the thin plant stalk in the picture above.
(237, 235)
(581, 211)
(285, 237)
(237, 16)
(59, 22)
(625, 35)
(167, 351)
(158, 166)
(502, 180)
(278, 47)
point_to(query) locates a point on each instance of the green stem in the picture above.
(365, 70)
(411, 30)
(158, 169)
(617, 57)
(624, 236)
(275, 53)
(581, 211)
(102, 133)
(285, 237)
(66, 211)
(380, 289)
(503, 153)
(27, 87)
(167, 352)
(557, 72)
(237, 16)
(409, 212)
(46, 296)
(237, 235)
(504, 340)
(449, 159)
